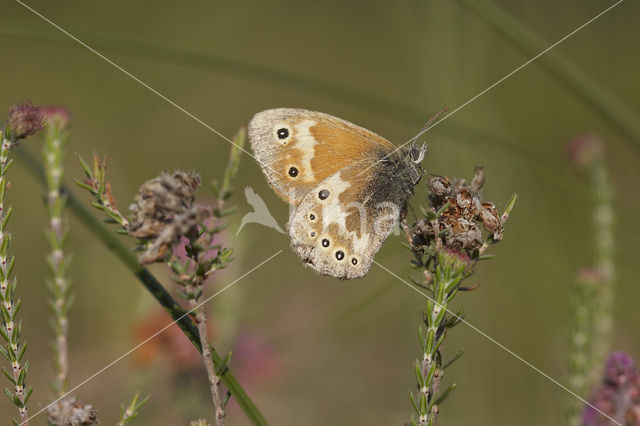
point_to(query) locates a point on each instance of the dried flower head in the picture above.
(618, 396)
(69, 412)
(57, 116)
(163, 211)
(25, 119)
(464, 216)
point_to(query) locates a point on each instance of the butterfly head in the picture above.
(416, 153)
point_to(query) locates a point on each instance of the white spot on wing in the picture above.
(306, 144)
(332, 211)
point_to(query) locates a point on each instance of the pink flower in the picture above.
(618, 396)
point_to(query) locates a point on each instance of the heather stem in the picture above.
(129, 413)
(592, 299)
(580, 344)
(11, 328)
(55, 139)
(446, 279)
(214, 379)
(603, 218)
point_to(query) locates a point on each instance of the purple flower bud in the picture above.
(25, 119)
(56, 115)
(459, 258)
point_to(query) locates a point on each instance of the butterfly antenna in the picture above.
(430, 123)
(433, 119)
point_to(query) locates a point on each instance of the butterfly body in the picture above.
(347, 185)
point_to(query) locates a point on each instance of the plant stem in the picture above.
(593, 94)
(55, 139)
(592, 301)
(131, 411)
(126, 256)
(193, 292)
(445, 282)
(603, 222)
(580, 345)
(11, 328)
(214, 380)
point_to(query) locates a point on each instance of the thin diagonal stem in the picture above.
(126, 256)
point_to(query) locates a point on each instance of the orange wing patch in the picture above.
(297, 148)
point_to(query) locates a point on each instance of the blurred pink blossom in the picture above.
(618, 396)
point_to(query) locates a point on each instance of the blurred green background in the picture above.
(320, 351)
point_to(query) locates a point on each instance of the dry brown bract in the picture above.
(69, 412)
(163, 211)
(465, 218)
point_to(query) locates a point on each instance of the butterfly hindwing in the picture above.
(297, 148)
(347, 185)
(340, 224)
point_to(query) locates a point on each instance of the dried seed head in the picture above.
(25, 119)
(439, 188)
(69, 412)
(163, 211)
(462, 225)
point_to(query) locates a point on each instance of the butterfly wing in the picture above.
(341, 223)
(297, 149)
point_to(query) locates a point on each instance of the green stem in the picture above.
(11, 327)
(156, 289)
(446, 276)
(593, 94)
(131, 412)
(54, 145)
(580, 345)
(603, 222)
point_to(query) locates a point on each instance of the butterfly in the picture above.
(347, 185)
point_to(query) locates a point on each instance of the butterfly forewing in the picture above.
(297, 148)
